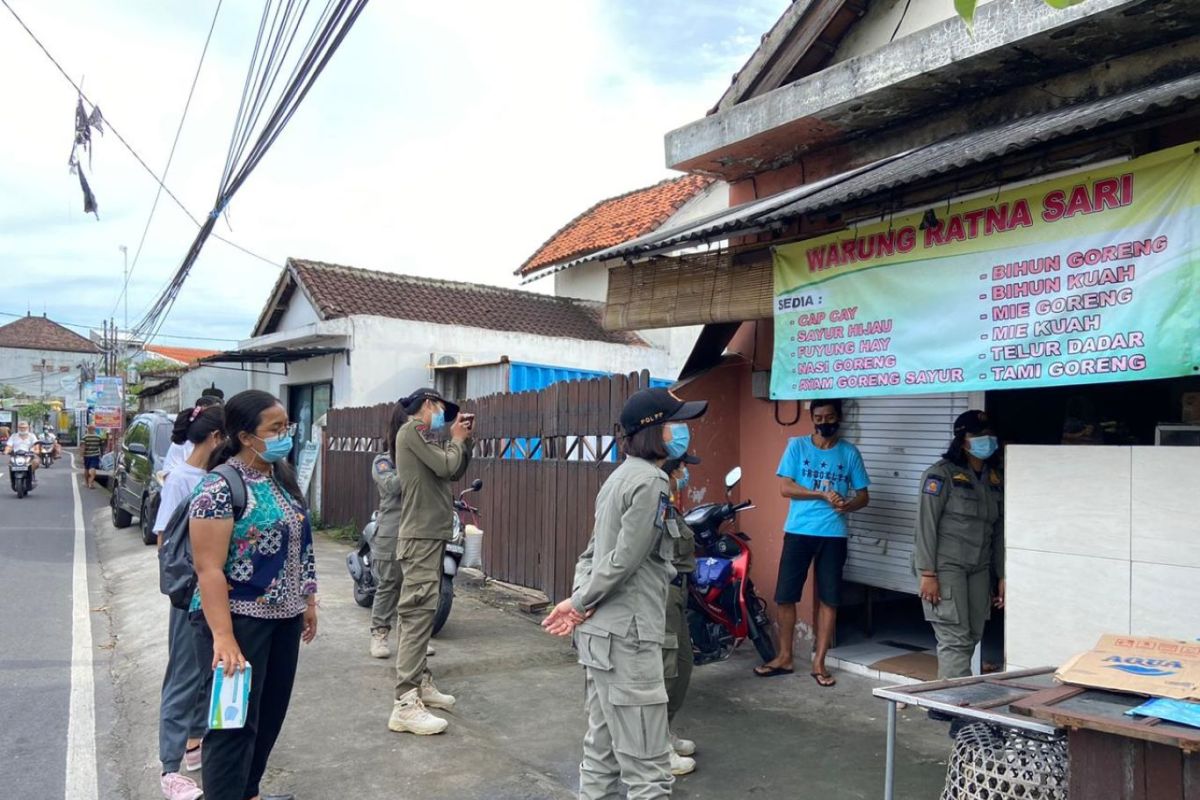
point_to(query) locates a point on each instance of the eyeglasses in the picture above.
(290, 430)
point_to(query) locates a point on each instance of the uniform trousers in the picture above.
(627, 739)
(678, 658)
(958, 620)
(420, 561)
(387, 593)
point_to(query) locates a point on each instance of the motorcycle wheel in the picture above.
(445, 600)
(758, 634)
(22, 488)
(363, 596)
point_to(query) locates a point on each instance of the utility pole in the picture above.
(42, 392)
(125, 286)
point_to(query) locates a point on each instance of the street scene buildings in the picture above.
(781, 399)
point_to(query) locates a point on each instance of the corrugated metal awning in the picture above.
(903, 169)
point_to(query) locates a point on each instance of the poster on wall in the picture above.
(1089, 278)
(307, 463)
(107, 418)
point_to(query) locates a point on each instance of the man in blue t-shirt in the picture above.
(825, 480)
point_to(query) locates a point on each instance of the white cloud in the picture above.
(443, 139)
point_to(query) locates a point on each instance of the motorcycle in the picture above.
(46, 451)
(366, 578)
(20, 472)
(723, 608)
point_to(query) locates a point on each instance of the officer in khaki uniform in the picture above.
(960, 542)
(678, 659)
(617, 611)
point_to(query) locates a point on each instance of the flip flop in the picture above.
(771, 672)
(824, 679)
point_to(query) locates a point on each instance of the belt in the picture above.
(679, 580)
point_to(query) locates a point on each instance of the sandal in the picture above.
(763, 671)
(824, 679)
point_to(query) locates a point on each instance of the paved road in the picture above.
(37, 615)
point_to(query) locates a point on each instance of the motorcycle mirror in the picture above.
(733, 478)
(476, 484)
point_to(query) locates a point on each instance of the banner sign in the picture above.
(108, 418)
(1089, 278)
(107, 392)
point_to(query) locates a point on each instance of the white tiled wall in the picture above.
(1100, 540)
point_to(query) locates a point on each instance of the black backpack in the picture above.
(176, 571)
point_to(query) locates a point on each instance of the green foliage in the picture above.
(34, 414)
(966, 8)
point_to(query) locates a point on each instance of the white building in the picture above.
(172, 389)
(41, 359)
(618, 220)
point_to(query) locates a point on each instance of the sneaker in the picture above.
(177, 787)
(431, 697)
(429, 651)
(191, 759)
(410, 716)
(684, 747)
(379, 644)
(682, 765)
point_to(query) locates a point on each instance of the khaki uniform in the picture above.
(383, 544)
(426, 469)
(622, 577)
(678, 658)
(960, 536)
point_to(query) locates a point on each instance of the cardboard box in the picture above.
(1141, 665)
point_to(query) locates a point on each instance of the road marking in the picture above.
(81, 719)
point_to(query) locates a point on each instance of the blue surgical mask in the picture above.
(437, 420)
(982, 447)
(682, 481)
(681, 437)
(278, 448)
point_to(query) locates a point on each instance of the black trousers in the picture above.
(235, 759)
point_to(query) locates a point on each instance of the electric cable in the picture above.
(170, 157)
(124, 143)
(90, 328)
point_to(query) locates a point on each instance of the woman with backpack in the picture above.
(183, 711)
(256, 585)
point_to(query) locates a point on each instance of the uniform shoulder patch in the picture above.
(664, 507)
(962, 479)
(383, 465)
(933, 485)
(994, 479)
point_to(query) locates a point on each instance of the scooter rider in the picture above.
(619, 606)
(426, 469)
(24, 439)
(678, 659)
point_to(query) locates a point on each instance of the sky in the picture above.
(444, 139)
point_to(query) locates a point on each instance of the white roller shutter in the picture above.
(899, 439)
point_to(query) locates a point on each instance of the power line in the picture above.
(129, 147)
(170, 157)
(90, 328)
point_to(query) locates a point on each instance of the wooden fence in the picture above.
(542, 457)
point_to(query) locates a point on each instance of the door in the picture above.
(307, 403)
(899, 437)
(136, 466)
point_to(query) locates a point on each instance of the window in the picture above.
(307, 403)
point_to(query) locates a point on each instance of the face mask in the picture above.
(827, 429)
(277, 448)
(682, 481)
(982, 447)
(681, 437)
(437, 420)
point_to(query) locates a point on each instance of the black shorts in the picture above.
(799, 551)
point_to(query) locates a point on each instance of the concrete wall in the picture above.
(19, 369)
(300, 312)
(389, 357)
(1100, 540)
(230, 381)
(586, 282)
(878, 25)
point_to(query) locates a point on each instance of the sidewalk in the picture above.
(519, 720)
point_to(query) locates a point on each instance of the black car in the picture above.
(135, 490)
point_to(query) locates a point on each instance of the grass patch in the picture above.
(346, 533)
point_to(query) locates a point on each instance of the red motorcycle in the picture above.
(723, 608)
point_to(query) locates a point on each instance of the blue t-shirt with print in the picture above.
(839, 469)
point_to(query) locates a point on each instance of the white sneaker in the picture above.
(684, 747)
(682, 765)
(431, 697)
(410, 716)
(177, 787)
(429, 651)
(379, 644)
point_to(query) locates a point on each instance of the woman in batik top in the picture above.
(256, 593)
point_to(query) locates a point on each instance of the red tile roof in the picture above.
(184, 355)
(39, 333)
(339, 291)
(616, 220)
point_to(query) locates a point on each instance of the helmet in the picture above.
(727, 546)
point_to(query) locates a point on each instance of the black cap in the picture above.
(647, 407)
(414, 401)
(972, 422)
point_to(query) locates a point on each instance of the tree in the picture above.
(966, 8)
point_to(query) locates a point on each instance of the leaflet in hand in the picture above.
(230, 699)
